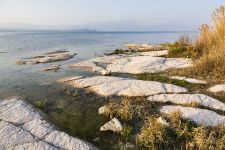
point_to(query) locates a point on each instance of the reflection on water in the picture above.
(77, 116)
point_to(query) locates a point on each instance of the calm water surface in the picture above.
(77, 116)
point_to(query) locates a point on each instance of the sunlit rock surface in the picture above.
(133, 64)
(217, 88)
(144, 47)
(105, 85)
(154, 53)
(113, 125)
(199, 116)
(200, 99)
(58, 55)
(21, 127)
(191, 80)
(148, 64)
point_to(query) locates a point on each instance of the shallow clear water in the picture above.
(78, 116)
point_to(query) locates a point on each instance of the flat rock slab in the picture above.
(217, 88)
(113, 125)
(199, 116)
(58, 55)
(23, 128)
(70, 79)
(133, 64)
(154, 53)
(144, 47)
(201, 99)
(148, 64)
(105, 85)
(190, 80)
(53, 68)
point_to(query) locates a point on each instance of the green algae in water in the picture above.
(76, 115)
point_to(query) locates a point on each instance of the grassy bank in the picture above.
(208, 51)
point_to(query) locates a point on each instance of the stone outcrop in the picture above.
(217, 88)
(191, 80)
(133, 64)
(70, 79)
(113, 125)
(102, 110)
(200, 99)
(199, 116)
(23, 128)
(53, 68)
(105, 85)
(58, 55)
(144, 47)
(154, 53)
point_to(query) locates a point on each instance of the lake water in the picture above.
(78, 116)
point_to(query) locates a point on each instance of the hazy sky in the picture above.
(111, 14)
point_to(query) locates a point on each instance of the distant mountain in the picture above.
(22, 26)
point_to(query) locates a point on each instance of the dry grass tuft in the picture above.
(206, 138)
(181, 134)
(123, 110)
(153, 134)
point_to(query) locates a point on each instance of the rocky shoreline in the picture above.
(21, 127)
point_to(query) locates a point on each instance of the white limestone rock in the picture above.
(154, 53)
(102, 110)
(201, 99)
(148, 64)
(53, 68)
(105, 72)
(64, 141)
(133, 64)
(38, 127)
(23, 128)
(217, 88)
(12, 135)
(36, 145)
(113, 125)
(191, 80)
(16, 111)
(144, 47)
(70, 79)
(58, 55)
(199, 116)
(88, 65)
(105, 85)
(163, 121)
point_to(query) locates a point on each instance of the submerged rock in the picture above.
(191, 80)
(113, 125)
(105, 85)
(199, 116)
(200, 99)
(54, 56)
(23, 128)
(217, 88)
(54, 68)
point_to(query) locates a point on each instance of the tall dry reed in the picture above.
(210, 47)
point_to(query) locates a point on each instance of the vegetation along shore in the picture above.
(161, 96)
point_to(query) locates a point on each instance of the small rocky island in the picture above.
(53, 56)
